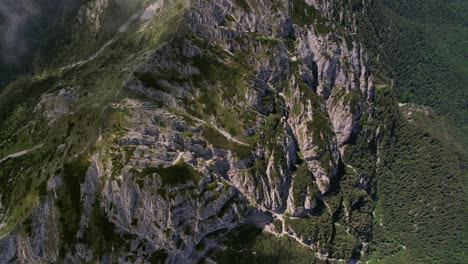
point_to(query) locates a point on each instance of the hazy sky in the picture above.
(14, 15)
(23, 21)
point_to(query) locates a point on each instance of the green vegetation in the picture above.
(302, 14)
(420, 212)
(421, 45)
(176, 174)
(343, 243)
(320, 127)
(18, 193)
(218, 140)
(250, 245)
(278, 226)
(101, 235)
(158, 257)
(218, 67)
(69, 203)
(54, 143)
(418, 193)
(76, 38)
(26, 89)
(316, 227)
(302, 179)
(243, 4)
(421, 48)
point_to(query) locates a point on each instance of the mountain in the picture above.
(177, 131)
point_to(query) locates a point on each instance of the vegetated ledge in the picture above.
(173, 175)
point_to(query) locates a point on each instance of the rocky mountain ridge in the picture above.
(193, 120)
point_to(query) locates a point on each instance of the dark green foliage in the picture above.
(150, 80)
(243, 4)
(361, 151)
(317, 227)
(27, 225)
(158, 257)
(8, 169)
(421, 45)
(22, 91)
(175, 174)
(217, 68)
(101, 235)
(302, 178)
(343, 244)
(250, 245)
(69, 202)
(420, 190)
(22, 182)
(302, 14)
(215, 138)
(218, 140)
(278, 226)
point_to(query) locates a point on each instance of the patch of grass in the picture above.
(173, 175)
(95, 85)
(158, 257)
(69, 202)
(150, 80)
(187, 134)
(101, 234)
(218, 140)
(302, 13)
(278, 226)
(250, 245)
(302, 179)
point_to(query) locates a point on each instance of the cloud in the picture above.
(23, 24)
(15, 16)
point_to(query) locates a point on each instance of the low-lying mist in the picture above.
(24, 27)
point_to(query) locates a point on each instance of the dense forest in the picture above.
(421, 48)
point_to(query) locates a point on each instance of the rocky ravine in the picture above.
(240, 113)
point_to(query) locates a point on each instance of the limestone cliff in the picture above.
(191, 120)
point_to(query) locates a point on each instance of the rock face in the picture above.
(239, 114)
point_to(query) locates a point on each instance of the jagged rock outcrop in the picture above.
(238, 115)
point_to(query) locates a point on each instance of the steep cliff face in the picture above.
(193, 119)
